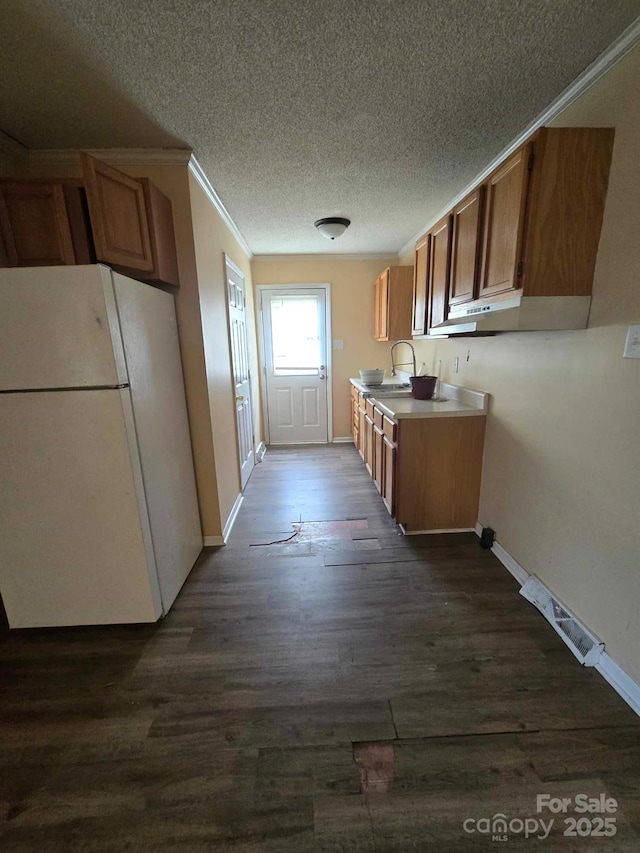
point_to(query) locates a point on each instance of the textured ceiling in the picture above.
(380, 111)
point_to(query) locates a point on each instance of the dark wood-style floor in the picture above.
(347, 690)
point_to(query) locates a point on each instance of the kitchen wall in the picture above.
(212, 238)
(201, 238)
(351, 281)
(561, 473)
(13, 162)
(13, 157)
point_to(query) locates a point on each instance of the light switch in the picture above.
(632, 346)
(338, 344)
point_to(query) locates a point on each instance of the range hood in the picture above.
(516, 314)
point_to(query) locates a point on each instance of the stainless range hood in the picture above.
(516, 314)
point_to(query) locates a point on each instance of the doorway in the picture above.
(297, 388)
(240, 366)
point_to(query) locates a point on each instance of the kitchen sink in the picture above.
(390, 389)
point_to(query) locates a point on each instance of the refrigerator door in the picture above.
(59, 329)
(150, 338)
(75, 545)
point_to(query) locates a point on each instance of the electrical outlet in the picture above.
(456, 364)
(632, 345)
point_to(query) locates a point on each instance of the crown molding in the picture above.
(618, 49)
(199, 174)
(328, 256)
(112, 156)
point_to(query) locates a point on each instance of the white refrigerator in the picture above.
(99, 517)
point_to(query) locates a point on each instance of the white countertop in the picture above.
(459, 402)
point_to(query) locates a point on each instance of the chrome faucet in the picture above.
(406, 363)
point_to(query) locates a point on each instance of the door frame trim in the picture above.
(228, 263)
(262, 354)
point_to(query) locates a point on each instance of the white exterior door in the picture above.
(240, 366)
(295, 344)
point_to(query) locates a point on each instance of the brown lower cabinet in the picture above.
(378, 465)
(427, 470)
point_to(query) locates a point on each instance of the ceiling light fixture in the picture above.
(332, 227)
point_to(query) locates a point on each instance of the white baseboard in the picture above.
(217, 541)
(519, 573)
(439, 530)
(235, 509)
(622, 683)
(343, 439)
(260, 452)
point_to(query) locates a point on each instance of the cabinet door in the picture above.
(504, 224)
(355, 423)
(119, 216)
(369, 457)
(377, 458)
(465, 249)
(388, 474)
(376, 309)
(35, 226)
(438, 277)
(420, 320)
(162, 234)
(362, 434)
(383, 306)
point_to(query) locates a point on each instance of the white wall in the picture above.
(561, 478)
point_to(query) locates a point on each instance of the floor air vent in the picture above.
(582, 643)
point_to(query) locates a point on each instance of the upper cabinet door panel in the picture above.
(505, 212)
(34, 223)
(465, 252)
(439, 267)
(420, 324)
(119, 216)
(384, 306)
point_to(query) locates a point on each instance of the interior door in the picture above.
(296, 377)
(240, 367)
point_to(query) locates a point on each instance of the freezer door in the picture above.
(59, 329)
(150, 337)
(75, 548)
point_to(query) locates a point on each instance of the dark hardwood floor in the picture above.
(347, 690)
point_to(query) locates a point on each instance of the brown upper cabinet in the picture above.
(35, 225)
(466, 247)
(108, 217)
(531, 229)
(420, 322)
(439, 267)
(393, 297)
(431, 277)
(504, 224)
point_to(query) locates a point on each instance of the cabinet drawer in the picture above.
(378, 417)
(368, 407)
(361, 401)
(354, 393)
(389, 428)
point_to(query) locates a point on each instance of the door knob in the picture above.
(240, 399)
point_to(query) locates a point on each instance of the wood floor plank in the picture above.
(234, 725)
